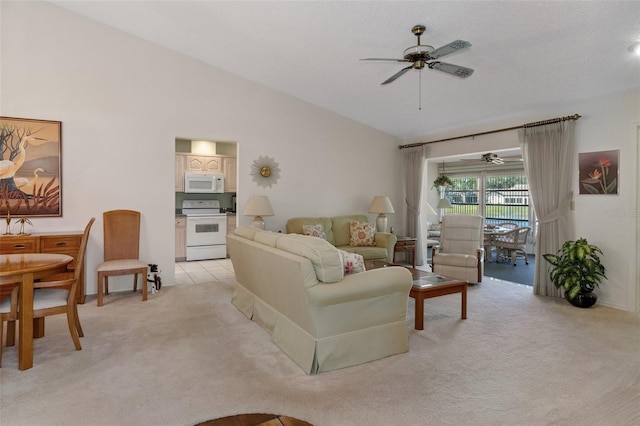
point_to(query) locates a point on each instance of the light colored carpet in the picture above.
(187, 355)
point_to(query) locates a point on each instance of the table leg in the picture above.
(25, 317)
(419, 321)
(464, 302)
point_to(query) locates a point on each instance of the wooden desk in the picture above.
(24, 269)
(62, 243)
(407, 245)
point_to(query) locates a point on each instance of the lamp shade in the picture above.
(258, 205)
(443, 203)
(430, 211)
(381, 204)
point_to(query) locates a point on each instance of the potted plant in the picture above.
(442, 180)
(577, 268)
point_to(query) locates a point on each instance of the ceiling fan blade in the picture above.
(385, 59)
(449, 48)
(456, 70)
(396, 75)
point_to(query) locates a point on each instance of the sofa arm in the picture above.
(388, 241)
(364, 285)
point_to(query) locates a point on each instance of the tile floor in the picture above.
(196, 272)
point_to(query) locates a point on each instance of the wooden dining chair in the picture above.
(8, 313)
(121, 251)
(55, 295)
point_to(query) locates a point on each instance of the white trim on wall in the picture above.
(635, 274)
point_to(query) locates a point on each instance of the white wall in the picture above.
(123, 101)
(608, 221)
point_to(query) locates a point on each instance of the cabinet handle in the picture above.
(61, 244)
(19, 246)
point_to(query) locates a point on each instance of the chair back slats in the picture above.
(121, 234)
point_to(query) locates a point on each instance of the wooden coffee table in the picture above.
(427, 285)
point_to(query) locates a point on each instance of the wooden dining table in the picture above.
(23, 269)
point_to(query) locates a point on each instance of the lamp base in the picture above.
(381, 223)
(258, 222)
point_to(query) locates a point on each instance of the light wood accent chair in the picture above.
(56, 295)
(121, 251)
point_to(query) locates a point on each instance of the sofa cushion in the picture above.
(316, 230)
(454, 259)
(324, 257)
(342, 230)
(247, 232)
(294, 226)
(368, 253)
(351, 262)
(362, 234)
(266, 237)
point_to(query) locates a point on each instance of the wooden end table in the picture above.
(407, 245)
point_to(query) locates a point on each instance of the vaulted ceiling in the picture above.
(526, 55)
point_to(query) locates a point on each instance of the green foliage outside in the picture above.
(465, 187)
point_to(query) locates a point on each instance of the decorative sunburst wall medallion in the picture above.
(265, 171)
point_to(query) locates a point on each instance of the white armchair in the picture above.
(461, 253)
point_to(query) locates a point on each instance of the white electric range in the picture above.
(206, 230)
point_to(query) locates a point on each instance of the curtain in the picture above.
(547, 152)
(413, 172)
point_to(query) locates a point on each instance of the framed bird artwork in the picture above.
(30, 167)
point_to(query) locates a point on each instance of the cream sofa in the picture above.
(338, 234)
(294, 287)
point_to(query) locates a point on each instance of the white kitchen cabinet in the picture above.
(180, 159)
(181, 238)
(230, 174)
(203, 164)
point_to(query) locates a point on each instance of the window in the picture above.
(498, 196)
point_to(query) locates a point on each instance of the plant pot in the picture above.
(584, 300)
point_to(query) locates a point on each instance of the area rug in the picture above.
(255, 419)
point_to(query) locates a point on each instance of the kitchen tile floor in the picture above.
(203, 271)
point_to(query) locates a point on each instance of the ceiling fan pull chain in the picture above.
(420, 90)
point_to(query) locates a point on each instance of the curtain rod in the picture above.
(537, 123)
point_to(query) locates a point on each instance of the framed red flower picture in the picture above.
(599, 172)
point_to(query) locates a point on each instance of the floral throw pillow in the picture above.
(362, 234)
(316, 230)
(352, 262)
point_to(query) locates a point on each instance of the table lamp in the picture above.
(430, 212)
(258, 206)
(443, 203)
(381, 205)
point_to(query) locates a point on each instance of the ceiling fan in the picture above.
(422, 55)
(492, 158)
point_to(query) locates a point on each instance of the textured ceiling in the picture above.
(526, 55)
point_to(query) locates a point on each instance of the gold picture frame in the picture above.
(30, 167)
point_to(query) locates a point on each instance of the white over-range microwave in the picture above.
(203, 183)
